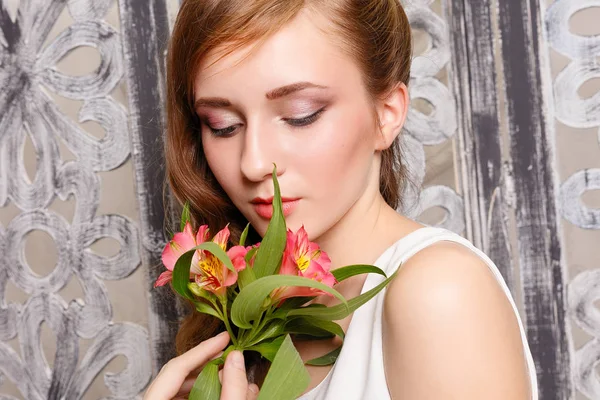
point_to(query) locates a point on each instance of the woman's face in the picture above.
(299, 102)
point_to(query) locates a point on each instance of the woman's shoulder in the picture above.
(443, 273)
(447, 309)
(439, 268)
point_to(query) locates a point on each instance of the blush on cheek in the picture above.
(214, 159)
(354, 145)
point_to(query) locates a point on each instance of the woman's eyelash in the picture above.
(304, 121)
(222, 132)
(296, 122)
(219, 132)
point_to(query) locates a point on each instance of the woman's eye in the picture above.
(296, 122)
(304, 121)
(222, 132)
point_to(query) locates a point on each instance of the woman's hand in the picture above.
(176, 379)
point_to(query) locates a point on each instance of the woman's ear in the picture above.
(392, 112)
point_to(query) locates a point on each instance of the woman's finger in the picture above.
(197, 356)
(186, 386)
(170, 378)
(235, 383)
(252, 392)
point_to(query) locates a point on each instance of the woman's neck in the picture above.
(364, 232)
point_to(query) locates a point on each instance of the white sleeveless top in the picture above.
(358, 372)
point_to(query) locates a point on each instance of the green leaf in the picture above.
(268, 349)
(221, 360)
(207, 385)
(340, 311)
(169, 233)
(344, 273)
(248, 304)
(272, 246)
(181, 271)
(249, 254)
(207, 309)
(246, 277)
(203, 293)
(185, 215)
(287, 378)
(295, 302)
(327, 359)
(274, 328)
(181, 275)
(244, 235)
(282, 312)
(290, 304)
(308, 326)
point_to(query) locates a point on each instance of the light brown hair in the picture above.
(375, 33)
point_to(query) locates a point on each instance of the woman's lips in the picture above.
(265, 210)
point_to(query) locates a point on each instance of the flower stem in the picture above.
(258, 325)
(252, 332)
(226, 321)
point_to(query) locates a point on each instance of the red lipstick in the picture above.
(264, 206)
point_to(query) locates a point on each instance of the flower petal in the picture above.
(194, 268)
(290, 240)
(329, 279)
(313, 271)
(188, 232)
(324, 260)
(288, 265)
(251, 260)
(202, 235)
(236, 255)
(302, 243)
(229, 278)
(170, 255)
(164, 278)
(222, 237)
(181, 242)
(286, 292)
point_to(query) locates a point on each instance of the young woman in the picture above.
(319, 87)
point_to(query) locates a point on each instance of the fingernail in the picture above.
(237, 359)
(253, 388)
(222, 334)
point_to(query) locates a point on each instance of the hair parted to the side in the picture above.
(375, 33)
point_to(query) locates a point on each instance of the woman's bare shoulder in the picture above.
(448, 327)
(443, 271)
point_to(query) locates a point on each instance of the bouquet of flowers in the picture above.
(262, 295)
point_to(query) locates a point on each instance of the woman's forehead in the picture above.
(300, 51)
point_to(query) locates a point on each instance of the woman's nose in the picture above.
(259, 154)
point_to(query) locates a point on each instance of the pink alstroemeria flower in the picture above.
(214, 276)
(306, 259)
(206, 269)
(181, 243)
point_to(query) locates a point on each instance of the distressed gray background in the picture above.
(503, 136)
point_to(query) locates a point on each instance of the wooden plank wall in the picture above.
(510, 44)
(501, 101)
(145, 37)
(474, 80)
(531, 135)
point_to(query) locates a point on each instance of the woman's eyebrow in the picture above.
(219, 102)
(292, 88)
(213, 102)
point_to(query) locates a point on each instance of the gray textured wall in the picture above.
(503, 135)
